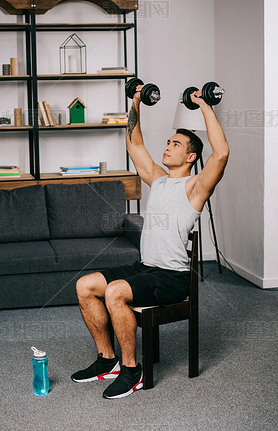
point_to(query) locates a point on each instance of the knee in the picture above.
(113, 294)
(84, 288)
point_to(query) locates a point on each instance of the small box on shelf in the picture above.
(5, 118)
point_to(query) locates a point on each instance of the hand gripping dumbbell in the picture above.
(211, 93)
(150, 93)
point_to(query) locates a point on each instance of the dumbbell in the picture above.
(150, 93)
(211, 93)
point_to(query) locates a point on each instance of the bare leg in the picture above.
(117, 296)
(90, 289)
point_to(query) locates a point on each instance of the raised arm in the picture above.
(214, 168)
(144, 164)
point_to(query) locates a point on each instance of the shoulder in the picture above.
(158, 172)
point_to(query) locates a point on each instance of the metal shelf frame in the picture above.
(85, 27)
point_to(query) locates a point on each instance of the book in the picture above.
(112, 71)
(49, 114)
(115, 114)
(10, 174)
(82, 172)
(114, 121)
(114, 68)
(9, 170)
(8, 167)
(42, 114)
(78, 168)
(115, 117)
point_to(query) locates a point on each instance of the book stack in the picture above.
(10, 172)
(79, 170)
(115, 118)
(117, 70)
(45, 114)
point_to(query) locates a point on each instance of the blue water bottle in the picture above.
(40, 380)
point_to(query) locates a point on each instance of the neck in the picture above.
(178, 172)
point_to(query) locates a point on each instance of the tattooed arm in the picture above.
(144, 164)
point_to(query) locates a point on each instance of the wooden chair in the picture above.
(149, 319)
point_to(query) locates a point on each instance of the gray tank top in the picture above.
(168, 219)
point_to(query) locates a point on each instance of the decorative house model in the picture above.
(77, 111)
(73, 55)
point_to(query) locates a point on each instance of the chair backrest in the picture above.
(193, 255)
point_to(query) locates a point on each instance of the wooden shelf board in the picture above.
(77, 76)
(24, 177)
(14, 77)
(83, 126)
(15, 128)
(114, 173)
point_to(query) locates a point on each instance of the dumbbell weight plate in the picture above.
(187, 99)
(146, 94)
(130, 87)
(208, 94)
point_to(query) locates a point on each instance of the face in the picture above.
(175, 153)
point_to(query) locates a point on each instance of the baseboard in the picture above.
(263, 283)
(209, 256)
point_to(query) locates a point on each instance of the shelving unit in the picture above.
(22, 27)
(30, 27)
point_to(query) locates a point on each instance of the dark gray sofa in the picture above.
(50, 236)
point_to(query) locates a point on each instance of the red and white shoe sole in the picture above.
(111, 375)
(135, 388)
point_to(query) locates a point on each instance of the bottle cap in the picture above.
(38, 353)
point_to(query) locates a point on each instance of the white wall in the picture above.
(271, 145)
(175, 50)
(239, 65)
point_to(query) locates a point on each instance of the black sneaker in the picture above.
(126, 383)
(101, 369)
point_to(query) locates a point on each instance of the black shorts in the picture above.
(151, 285)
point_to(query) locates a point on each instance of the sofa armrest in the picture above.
(133, 228)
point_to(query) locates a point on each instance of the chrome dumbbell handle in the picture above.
(155, 96)
(218, 92)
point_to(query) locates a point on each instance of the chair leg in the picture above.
(155, 344)
(147, 349)
(193, 347)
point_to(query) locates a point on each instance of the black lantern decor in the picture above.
(73, 55)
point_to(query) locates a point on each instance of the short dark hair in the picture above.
(195, 145)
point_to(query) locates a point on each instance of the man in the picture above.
(162, 276)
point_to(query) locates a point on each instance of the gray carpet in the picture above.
(236, 389)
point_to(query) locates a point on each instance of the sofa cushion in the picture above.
(93, 253)
(86, 210)
(27, 257)
(23, 215)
